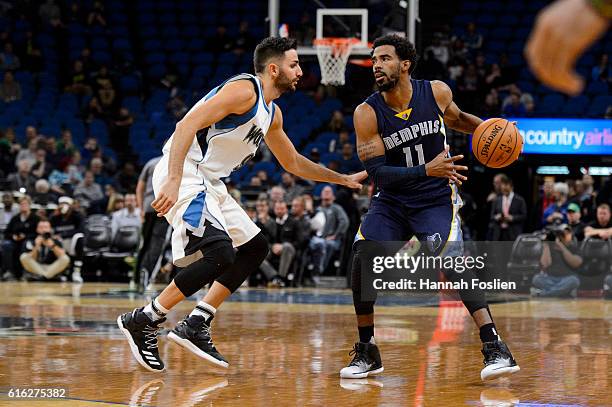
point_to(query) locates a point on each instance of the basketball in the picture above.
(497, 143)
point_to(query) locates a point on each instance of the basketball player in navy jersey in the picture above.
(401, 140)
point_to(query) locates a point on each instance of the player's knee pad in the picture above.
(250, 255)
(217, 257)
(473, 299)
(359, 267)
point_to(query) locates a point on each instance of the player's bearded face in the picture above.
(284, 83)
(386, 78)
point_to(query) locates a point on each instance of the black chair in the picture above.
(596, 255)
(525, 260)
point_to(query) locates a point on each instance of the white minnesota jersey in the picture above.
(203, 198)
(226, 145)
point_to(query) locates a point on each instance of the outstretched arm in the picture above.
(371, 151)
(297, 164)
(454, 117)
(235, 97)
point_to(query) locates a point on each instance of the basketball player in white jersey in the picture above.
(218, 135)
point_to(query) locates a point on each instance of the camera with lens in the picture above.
(46, 235)
(551, 232)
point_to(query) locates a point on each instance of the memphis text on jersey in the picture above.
(411, 132)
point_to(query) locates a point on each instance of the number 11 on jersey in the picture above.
(420, 155)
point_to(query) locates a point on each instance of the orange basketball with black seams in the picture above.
(497, 143)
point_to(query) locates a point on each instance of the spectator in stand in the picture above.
(127, 216)
(515, 108)
(460, 51)
(601, 227)
(573, 217)
(439, 50)
(75, 14)
(559, 261)
(309, 207)
(107, 97)
(65, 147)
(494, 79)
(265, 180)
(50, 13)
(78, 82)
(22, 180)
(557, 212)
(127, 178)
(41, 169)
(480, 62)
(96, 15)
(221, 42)
(88, 192)
(545, 199)
(472, 38)
(283, 245)
(177, 107)
(44, 255)
(43, 195)
(63, 179)
(28, 154)
(292, 190)
(10, 90)
(329, 240)
(20, 228)
(349, 162)
(469, 87)
(8, 60)
(336, 124)
(264, 220)
(97, 168)
(9, 148)
(277, 193)
(455, 69)
(93, 110)
(528, 102)
(508, 213)
(33, 60)
(244, 41)
(588, 199)
(8, 210)
(491, 106)
(120, 131)
(66, 221)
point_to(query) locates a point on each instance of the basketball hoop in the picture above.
(333, 54)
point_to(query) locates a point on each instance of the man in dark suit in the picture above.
(508, 213)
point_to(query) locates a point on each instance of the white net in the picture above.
(333, 55)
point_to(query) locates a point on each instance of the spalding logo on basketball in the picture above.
(497, 143)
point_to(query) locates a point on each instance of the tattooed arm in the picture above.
(371, 151)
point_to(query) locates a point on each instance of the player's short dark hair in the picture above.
(271, 47)
(403, 48)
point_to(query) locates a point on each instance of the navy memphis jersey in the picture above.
(413, 137)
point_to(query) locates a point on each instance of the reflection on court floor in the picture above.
(286, 347)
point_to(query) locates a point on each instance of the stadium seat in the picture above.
(575, 107)
(525, 260)
(599, 105)
(597, 88)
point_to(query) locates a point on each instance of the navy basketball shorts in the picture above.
(437, 225)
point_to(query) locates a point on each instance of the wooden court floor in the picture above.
(286, 348)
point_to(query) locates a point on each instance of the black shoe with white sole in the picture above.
(498, 361)
(193, 333)
(366, 361)
(141, 333)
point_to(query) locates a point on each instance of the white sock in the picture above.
(155, 310)
(204, 309)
